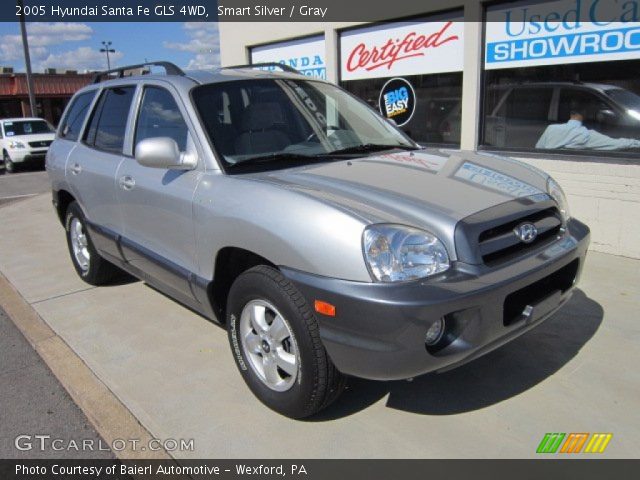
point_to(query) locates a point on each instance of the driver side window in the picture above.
(588, 102)
(159, 116)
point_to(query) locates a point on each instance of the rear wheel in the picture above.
(88, 263)
(276, 344)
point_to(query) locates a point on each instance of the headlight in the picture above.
(395, 253)
(558, 195)
(16, 144)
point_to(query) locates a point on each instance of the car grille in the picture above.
(42, 143)
(488, 237)
(500, 243)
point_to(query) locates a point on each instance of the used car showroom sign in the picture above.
(566, 31)
(406, 48)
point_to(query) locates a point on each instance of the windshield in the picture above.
(26, 127)
(274, 119)
(629, 100)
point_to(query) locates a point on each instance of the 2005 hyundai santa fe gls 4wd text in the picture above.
(328, 242)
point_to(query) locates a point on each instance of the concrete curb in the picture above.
(111, 419)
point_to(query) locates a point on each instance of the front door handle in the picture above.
(127, 182)
(76, 169)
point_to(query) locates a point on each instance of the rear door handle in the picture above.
(127, 182)
(76, 169)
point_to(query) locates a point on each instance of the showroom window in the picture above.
(307, 55)
(558, 78)
(411, 71)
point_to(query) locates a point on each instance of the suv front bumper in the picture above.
(27, 155)
(379, 329)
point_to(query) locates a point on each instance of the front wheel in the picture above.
(9, 166)
(276, 343)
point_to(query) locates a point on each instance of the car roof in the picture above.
(596, 86)
(21, 119)
(243, 73)
(202, 77)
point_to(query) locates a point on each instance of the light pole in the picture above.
(107, 49)
(27, 64)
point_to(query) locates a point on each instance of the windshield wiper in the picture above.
(277, 158)
(371, 147)
(298, 158)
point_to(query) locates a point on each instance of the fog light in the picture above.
(435, 332)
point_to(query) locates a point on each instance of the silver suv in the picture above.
(328, 242)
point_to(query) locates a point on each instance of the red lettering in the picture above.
(392, 51)
(355, 52)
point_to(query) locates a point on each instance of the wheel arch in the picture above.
(62, 201)
(230, 263)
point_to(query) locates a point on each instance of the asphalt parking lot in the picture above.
(34, 403)
(173, 370)
(18, 186)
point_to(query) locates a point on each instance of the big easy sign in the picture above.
(400, 49)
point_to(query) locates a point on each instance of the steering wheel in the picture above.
(315, 135)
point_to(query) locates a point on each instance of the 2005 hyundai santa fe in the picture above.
(328, 242)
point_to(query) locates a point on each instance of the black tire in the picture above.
(318, 383)
(9, 166)
(98, 271)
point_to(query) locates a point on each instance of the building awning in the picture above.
(45, 85)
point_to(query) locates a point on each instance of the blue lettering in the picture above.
(535, 24)
(508, 23)
(593, 16)
(552, 19)
(576, 17)
(629, 11)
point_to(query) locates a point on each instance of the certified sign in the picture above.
(397, 100)
(401, 49)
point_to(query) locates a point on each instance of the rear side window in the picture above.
(160, 117)
(529, 104)
(76, 113)
(108, 122)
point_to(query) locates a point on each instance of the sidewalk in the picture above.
(173, 369)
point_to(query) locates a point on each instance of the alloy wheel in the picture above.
(79, 244)
(269, 345)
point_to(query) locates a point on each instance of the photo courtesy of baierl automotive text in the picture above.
(330, 232)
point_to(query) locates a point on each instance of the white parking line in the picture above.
(11, 197)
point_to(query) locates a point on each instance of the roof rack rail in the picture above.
(282, 66)
(169, 68)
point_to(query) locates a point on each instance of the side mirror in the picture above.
(606, 116)
(163, 152)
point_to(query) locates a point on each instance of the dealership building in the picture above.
(493, 85)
